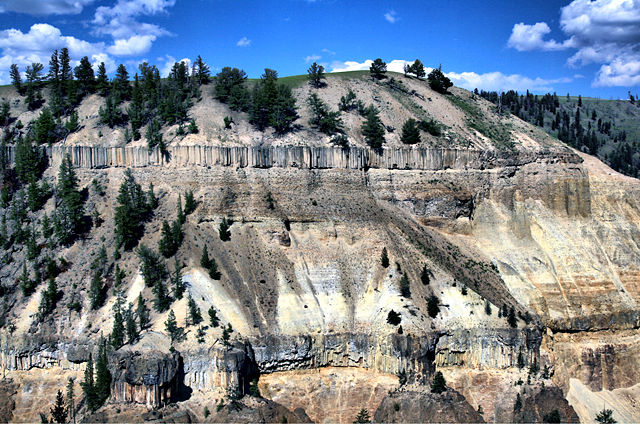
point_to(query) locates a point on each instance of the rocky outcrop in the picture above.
(252, 410)
(425, 407)
(299, 157)
(546, 405)
(220, 367)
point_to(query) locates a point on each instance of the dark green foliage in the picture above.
(239, 98)
(37, 195)
(72, 124)
(189, 203)
(393, 318)
(316, 75)
(30, 160)
(152, 200)
(520, 359)
(226, 80)
(384, 258)
(182, 218)
(438, 385)
(68, 216)
(27, 285)
(131, 212)
(487, 307)
(171, 239)
(175, 332)
(59, 411)
(552, 417)
(111, 114)
(378, 69)
(363, 417)
(71, 403)
(103, 376)
(121, 89)
(176, 281)
(130, 325)
(605, 416)
(223, 230)
(405, 286)
(48, 300)
(210, 264)
(438, 81)
(372, 129)
(102, 80)
(153, 269)
(253, 388)
(16, 78)
(193, 314)
(116, 339)
(348, 102)
(96, 291)
(410, 132)
(425, 275)
(273, 104)
(433, 306)
(33, 97)
(214, 321)
(89, 387)
(430, 126)
(193, 128)
(85, 77)
(201, 72)
(142, 312)
(417, 69)
(44, 128)
(153, 136)
(517, 406)
(226, 335)
(5, 112)
(511, 318)
(206, 412)
(326, 121)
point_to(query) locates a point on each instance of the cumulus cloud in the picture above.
(605, 32)
(133, 46)
(391, 17)
(169, 61)
(44, 7)
(396, 65)
(37, 44)
(243, 42)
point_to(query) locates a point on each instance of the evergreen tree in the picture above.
(378, 69)
(131, 325)
(511, 318)
(410, 132)
(71, 402)
(85, 76)
(393, 318)
(316, 75)
(214, 321)
(167, 246)
(223, 230)
(34, 79)
(189, 203)
(152, 267)
(136, 110)
(405, 286)
(102, 80)
(118, 332)
(96, 291)
(239, 98)
(226, 80)
(72, 124)
(272, 104)
(605, 416)
(153, 136)
(111, 114)
(384, 258)
(70, 211)
(425, 275)
(417, 68)
(59, 411)
(517, 406)
(193, 315)
(44, 128)
(193, 128)
(121, 87)
(16, 78)
(143, 313)
(181, 215)
(175, 332)
(433, 306)
(363, 417)
(438, 385)
(27, 285)
(103, 376)
(326, 121)
(30, 161)
(487, 307)
(176, 281)
(438, 81)
(131, 212)
(152, 200)
(48, 300)
(89, 386)
(202, 73)
(372, 129)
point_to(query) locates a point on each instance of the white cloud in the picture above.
(312, 58)
(243, 42)
(605, 32)
(396, 65)
(530, 37)
(328, 52)
(497, 81)
(38, 43)
(391, 17)
(133, 46)
(44, 7)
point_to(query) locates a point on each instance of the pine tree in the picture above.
(605, 416)
(326, 121)
(372, 129)
(131, 212)
(110, 114)
(410, 132)
(223, 230)
(167, 245)
(417, 68)
(16, 79)
(121, 88)
(226, 80)
(511, 318)
(153, 135)
(378, 69)
(130, 325)
(438, 81)
(27, 285)
(175, 332)
(316, 75)
(433, 306)
(89, 386)
(194, 316)
(405, 286)
(363, 417)
(48, 300)
(425, 275)
(71, 402)
(176, 281)
(202, 73)
(487, 307)
(152, 267)
(193, 128)
(189, 203)
(118, 332)
(438, 385)
(102, 80)
(384, 258)
(103, 376)
(96, 291)
(44, 128)
(71, 210)
(152, 200)
(58, 411)
(517, 406)
(214, 321)
(85, 76)
(72, 124)
(142, 312)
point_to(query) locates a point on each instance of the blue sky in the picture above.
(580, 46)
